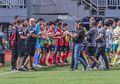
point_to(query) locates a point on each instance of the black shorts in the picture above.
(91, 51)
(2, 58)
(66, 48)
(45, 49)
(23, 54)
(23, 51)
(51, 48)
(31, 50)
(59, 48)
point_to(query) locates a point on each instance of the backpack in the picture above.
(13, 38)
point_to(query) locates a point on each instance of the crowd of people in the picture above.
(36, 44)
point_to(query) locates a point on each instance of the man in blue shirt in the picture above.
(38, 51)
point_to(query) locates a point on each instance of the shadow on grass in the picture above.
(53, 68)
(56, 68)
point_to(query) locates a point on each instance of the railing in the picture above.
(94, 2)
(104, 3)
(99, 3)
(12, 3)
(113, 2)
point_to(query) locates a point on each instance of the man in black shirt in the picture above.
(78, 38)
(23, 48)
(14, 46)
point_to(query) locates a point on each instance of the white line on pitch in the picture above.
(5, 73)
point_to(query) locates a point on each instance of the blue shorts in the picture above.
(108, 50)
(114, 47)
(38, 45)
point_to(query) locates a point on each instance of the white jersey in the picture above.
(116, 33)
(109, 35)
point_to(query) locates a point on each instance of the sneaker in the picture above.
(101, 66)
(37, 66)
(118, 62)
(66, 62)
(88, 68)
(22, 69)
(95, 68)
(14, 70)
(26, 68)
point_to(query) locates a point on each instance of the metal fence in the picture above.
(12, 2)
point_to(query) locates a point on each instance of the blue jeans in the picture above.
(77, 56)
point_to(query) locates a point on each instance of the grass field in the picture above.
(60, 75)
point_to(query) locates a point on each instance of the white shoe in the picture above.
(14, 70)
(37, 66)
(88, 68)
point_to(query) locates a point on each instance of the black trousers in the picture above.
(14, 57)
(2, 58)
(101, 51)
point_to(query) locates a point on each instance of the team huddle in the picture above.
(49, 44)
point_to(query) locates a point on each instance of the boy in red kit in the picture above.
(66, 41)
(59, 43)
(51, 42)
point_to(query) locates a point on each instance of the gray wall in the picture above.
(7, 15)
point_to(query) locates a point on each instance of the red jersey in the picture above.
(59, 41)
(50, 31)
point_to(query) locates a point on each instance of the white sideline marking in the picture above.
(5, 73)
